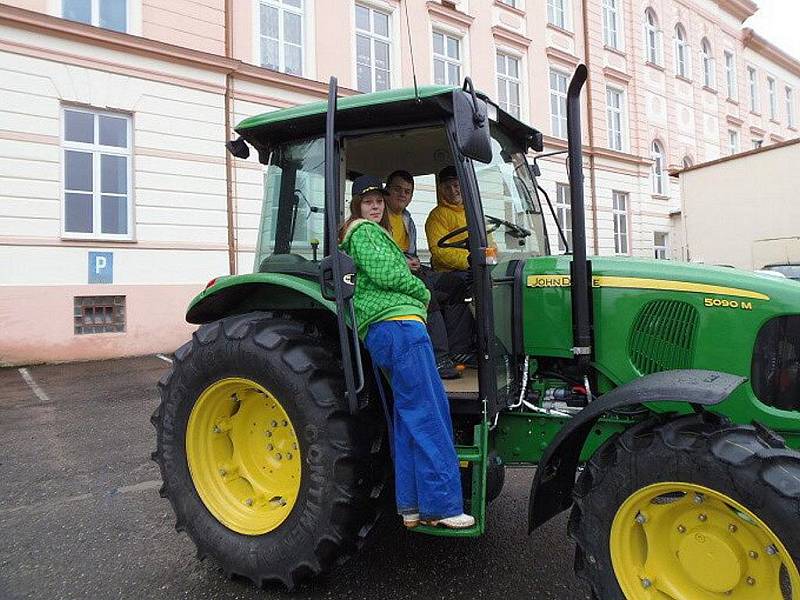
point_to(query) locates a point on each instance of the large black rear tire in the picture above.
(344, 466)
(695, 460)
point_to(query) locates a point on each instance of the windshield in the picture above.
(510, 204)
(292, 218)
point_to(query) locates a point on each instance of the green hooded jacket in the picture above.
(385, 287)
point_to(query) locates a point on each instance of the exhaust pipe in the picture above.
(579, 267)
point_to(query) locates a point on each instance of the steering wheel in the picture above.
(494, 224)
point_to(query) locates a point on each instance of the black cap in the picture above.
(367, 183)
(448, 172)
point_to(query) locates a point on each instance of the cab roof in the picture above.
(389, 109)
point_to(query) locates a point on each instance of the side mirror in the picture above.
(471, 124)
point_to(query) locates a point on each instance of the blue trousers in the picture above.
(427, 478)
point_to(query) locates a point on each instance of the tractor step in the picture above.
(475, 456)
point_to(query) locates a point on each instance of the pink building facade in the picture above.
(119, 201)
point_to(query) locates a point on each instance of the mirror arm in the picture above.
(478, 115)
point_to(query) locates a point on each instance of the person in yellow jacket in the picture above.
(446, 217)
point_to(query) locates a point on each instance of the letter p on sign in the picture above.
(101, 267)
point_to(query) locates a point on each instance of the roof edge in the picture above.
(760, 44)
(725, 159)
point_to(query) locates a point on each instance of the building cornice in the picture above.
(741, 9)
(515, 40)
(140, 46)
(724, 159)
(450, 15)
(750, 39)
(559, 55)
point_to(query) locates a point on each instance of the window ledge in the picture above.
(710, 90)
(655, 66)
(555, 27)
(774, 122)
(509, 8)
(613, 50)
(755, 113)
(791, 127)
(660, 197)
(683, 78)
(732, 101)
(73, 237)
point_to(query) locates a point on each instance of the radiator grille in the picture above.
(663, 336)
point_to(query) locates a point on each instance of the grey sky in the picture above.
(777, 21)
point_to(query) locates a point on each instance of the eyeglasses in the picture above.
(397, 189)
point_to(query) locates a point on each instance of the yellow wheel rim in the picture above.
(243, 455)
(684, 541)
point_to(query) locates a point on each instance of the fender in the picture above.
(551, 491)
(236, 294)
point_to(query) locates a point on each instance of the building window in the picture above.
(730, 75)
(658, 170)
(773, 99)
(98, 314)
(281, 35)
(373, 49)
(557, 13)
(615, 100)
(789, 107)
(109, 14)
(682, 53)
(709, 69)
(757, 144)
(509, 83)
(446, 59)
(97, 174)
(752, 79)
(564, 213)
(511, 3)
(660, 244)
(611, 22)
(558, 103)
(652, 37)
(733, 141)
(620, 200)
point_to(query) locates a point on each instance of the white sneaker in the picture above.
(461, 521)
(410, 520)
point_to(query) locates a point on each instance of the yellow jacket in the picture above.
(442, 220)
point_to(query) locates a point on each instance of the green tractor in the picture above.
(658, 400)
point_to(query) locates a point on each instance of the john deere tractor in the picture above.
(658, 400)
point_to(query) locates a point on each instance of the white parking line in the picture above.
(40, 394)
(166, 358)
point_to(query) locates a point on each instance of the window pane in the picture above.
(78, 126)
(362, 18)
(77, 10)
(292, 28)
(453, 74)
(269, 53)
(502, 96)
(381, 55)
(501, 64)
(513, 90)
(113, 14)
(381, 80)
(77, 170)
(114, 214)
(113, 131)
(269, 21)
(381, 23)
(438, 43)
(295, 3)
(363, 52)
(293, 56)
(78, 213)
(513, 67)
(113, 174)
(452, 47)
(438, 72)
(364, 78)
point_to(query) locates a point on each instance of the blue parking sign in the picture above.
(101, 267)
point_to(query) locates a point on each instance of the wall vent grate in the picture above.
(99, 314)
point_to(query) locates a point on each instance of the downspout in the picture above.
(590, 125)
(229, 173)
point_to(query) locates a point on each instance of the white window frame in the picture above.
(622, 244)
(772, 95)
(661, 252)
(392, 40)
(508, 80)
(658, 170)
(752, 82)
(709, 64)
(96, 150)
(447, 60)
(558, 121)
(304, 28)
(654, 52)
(683, 53)
(733, 141)
(789, 96)
(556, 8)
(131, 12)
(687, 162)
(730, 75)
(564, 214)
(612, 21)
(621, 114)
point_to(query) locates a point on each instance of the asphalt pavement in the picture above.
(80, 515)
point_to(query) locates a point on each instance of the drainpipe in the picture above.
(229, 173)
(590, 125)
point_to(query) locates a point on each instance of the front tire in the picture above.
(265, 468)
(689, 508)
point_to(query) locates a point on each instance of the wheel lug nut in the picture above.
(646, 583)
(750, 581)
(753, 554)
(288, 456)
(249, 502)
(284, 422)
(732, 528)
(702, 517)
(274, 423)
(278, 456)
(223, 472)
(641, 519)
(268, 433)
(217, 429)
(681, 529)
(270, 447)
(772, 550)
(294, 446)
(698, 498)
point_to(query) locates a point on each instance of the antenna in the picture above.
(411, 47)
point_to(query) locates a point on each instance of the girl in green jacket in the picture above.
(391, 306)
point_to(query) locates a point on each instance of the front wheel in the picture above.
(691, 508)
